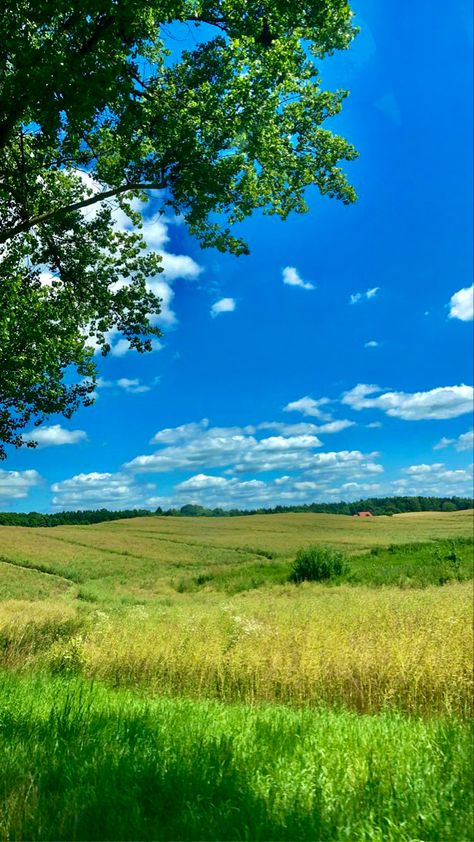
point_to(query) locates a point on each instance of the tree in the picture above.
(94, 114)
(448, 506)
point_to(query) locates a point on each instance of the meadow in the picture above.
(161, 678)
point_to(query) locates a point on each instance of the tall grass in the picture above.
(358, 648)
(79, 762)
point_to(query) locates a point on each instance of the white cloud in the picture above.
(440, 403)
(309, 406)
(306, 427)
(46, 278)
(464, 442)
(212, 491)
(197, 447)
(132, 385)
(97, 490)
(225, 305)
(194, 446)
(203, 481)
(292, 278)
(444, 442)
(155, 232)
(361, 487)
(346, 461)
(423, 469)
(356, 297)
(461, 305)
(120, 348)
(374, 425)
(171, 435)
(15, 485)
(371, 344)
(166, 316)
(335, 426)
(179, 266)
(435, 479)
(55, 435)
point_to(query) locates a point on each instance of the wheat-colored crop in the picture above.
(358, 648)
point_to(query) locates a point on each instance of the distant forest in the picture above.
(375, 505)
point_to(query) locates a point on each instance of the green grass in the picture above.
(414, 565)
(80, 762)
(127, 562)
(228, 702)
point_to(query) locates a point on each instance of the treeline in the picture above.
(375, 505)
(68, 518)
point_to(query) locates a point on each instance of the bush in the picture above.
(318, 564)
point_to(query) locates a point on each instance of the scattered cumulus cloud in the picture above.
(306, 427)
(440, 403)
(132, 385)
(196, 446)
(357, 297)
(336, 426)
(337, 478)
(309, 406)
(443, 442)
(292, 277)
(15, 485)
(224, 305)
(371, 344)
(464, 442)
(55, 435)
(155, 232)
(97, 490)
(461, 305)
(434, 479)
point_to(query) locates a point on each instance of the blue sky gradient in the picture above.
(271, 343)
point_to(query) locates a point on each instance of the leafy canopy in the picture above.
(94, 114)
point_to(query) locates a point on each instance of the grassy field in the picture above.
(142, 650)
(81, 762)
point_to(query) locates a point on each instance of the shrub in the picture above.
(318, 564)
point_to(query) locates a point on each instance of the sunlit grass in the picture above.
(360, 648)
(80, 762)
(163, 679)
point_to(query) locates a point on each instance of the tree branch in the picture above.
(8, 233)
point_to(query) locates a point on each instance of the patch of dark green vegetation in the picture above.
(415, 565)
(243, 576)
(405, 565)
(83, 762)
(319, 564)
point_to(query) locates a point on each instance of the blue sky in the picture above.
(333, 363)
